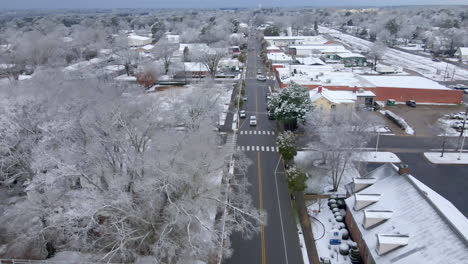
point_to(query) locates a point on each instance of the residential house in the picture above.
(395, 218)
(462, 53)
(345, 101)
(193, 70)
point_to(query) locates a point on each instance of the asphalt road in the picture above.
(277, 241)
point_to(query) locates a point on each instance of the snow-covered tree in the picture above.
(286, 142)
(376, 52)
(291, 104)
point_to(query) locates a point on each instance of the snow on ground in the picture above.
(422, 65)
(402, 122)
(125, 77)
(446, 124)
(319, 180)
(378, 157)
(448, 158)
(23, 77)
(322, 223)
(302, 244)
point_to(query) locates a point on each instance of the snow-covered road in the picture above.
(422, 65)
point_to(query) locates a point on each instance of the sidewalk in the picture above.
(306, 228)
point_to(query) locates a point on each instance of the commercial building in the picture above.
(284, 41)
(401, 88)
(316, 50)
(395, 218)
(138, 41)
(346, 101)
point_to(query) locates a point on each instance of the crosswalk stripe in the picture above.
(277, 149)
(248, 148)
(261, 148)
(267, 148)
(268, 132)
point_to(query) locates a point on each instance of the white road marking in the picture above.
(248, 148)
(267, 148)
(281, 216)
(262, 148)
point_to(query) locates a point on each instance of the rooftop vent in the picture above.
(390, 242)
(364, 200)
(362, 183)
(403, 169)
(373, 218)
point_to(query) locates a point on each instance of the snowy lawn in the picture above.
(322, 223)
(448, 158)
(320, 180)
(379, 157)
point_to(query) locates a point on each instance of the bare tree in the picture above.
(339, 136)
(211, 60)
(164, 50)
(376, 53)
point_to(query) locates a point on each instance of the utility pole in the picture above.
(377, 144)
(462, 137)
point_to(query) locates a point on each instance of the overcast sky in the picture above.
(28, 4)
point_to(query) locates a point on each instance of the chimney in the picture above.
(403, 169)
(320, 88)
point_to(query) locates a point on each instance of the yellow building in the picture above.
(327, 100)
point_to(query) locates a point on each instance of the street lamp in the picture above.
(462, 137)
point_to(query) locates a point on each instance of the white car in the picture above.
(242, 114)
(261, 78)
(253, 121)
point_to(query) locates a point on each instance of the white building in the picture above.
(138, 41)
(462, 53)
(283, 41)
(279, 57)
(317, 50)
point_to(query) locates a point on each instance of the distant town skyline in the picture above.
(52, 4)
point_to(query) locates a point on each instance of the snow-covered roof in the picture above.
(195, 67)
(322, 48)
(350, 55)
(83, 64)
(463, 50)
(337, 97)
(137, 37)
(423, 227)
(273, 47)
(304, 39)
(320, 75)
(194, 47)
(148, 47)
(279, 57)
(399, 81)
(311, 61)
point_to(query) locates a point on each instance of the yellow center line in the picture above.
(260, 197)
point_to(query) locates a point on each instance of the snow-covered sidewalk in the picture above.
(378, 157)
(305, 256)
(448, 158)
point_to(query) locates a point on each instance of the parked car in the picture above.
(459, 115)
(271, 116)
(411, 103)
(253, 121)
(261, 78)
(459, 86)
(244, 98)
(242, 114)
(436, 60)
(268, 97)
(259, 72)
(459, 125)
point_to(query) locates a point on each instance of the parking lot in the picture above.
(423, 118)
